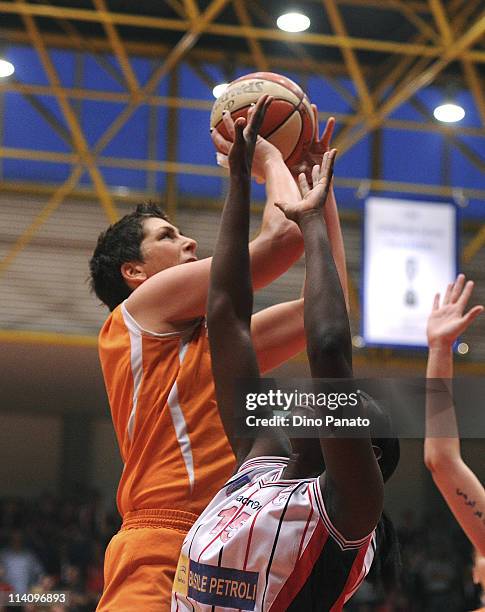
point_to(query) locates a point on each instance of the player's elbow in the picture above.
(438, 461)
(283, 234)
(327, 342)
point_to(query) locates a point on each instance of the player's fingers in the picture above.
(472, 314)
(315, 174)
(220, 142)
(328, 132)
(436, 302)
(303, 184)
(316, 135)
(260, 111)
(449, 289)
(228, 123)
(457, 288)
(239, 126)
(329, 162)
(462, 300)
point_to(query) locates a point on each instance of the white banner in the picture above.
(409, 255)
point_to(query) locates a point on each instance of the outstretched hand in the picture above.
(313, 197)
(320, 145)
(263, 150)
(448, 320)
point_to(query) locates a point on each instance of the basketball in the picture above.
(289, 122)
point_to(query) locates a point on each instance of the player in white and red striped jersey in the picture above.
(265, 543)
(290, 530)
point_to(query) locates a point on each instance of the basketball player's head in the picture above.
(133, 249)
(386, 446)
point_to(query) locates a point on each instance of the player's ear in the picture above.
(133, 272)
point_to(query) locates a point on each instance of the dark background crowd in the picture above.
(52, 544)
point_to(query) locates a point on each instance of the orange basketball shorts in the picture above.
(141, 559)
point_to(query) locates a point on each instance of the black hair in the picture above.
(119, 244)
(387, 562)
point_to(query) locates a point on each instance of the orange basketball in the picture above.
(289, 122)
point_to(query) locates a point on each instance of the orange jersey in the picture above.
(161, 393)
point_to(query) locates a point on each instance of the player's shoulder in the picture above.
(254, 469)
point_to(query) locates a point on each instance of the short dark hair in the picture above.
(120, 243)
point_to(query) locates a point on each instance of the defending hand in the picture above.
(447, 321)
(313, 198)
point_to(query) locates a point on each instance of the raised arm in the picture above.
(179, 293)
(230, 293)
(461, 489)
(321, 144)
(352, 484)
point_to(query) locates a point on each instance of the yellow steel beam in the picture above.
(158, 50)
(475, 244)
(260, 60)
(191, 9)
(410, 87)
(204, 105)
(212, 170)
(392, 75)
(70, 116)
(231, 30)
(51, 206)
(172, 59)
(119, 50)
(177, 53)
(20, 336)
(476, 88)
(349, 57)
(441, 20)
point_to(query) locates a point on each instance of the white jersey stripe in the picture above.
(180, 424)
(136, 357)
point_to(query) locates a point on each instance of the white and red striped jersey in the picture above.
(267, 544)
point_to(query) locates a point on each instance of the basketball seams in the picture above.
(248, 106)
(289, 124)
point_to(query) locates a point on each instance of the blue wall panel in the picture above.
(25, 128)
(412, 157)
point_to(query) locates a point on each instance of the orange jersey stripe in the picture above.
(162, 400)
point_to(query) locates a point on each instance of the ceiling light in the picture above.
(449, 113)
(6, 68)
(293, 22)
(219, 89)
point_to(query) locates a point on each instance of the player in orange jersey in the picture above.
(156, 364)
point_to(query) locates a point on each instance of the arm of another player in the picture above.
(269, 167)
(462, 490)
(352, 483)
(230, 292)
(278, 332)
(321, 144)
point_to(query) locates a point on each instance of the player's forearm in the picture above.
(334, 231)
(230, 273)
(280, 187)
(326, 319)
(442, 444)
